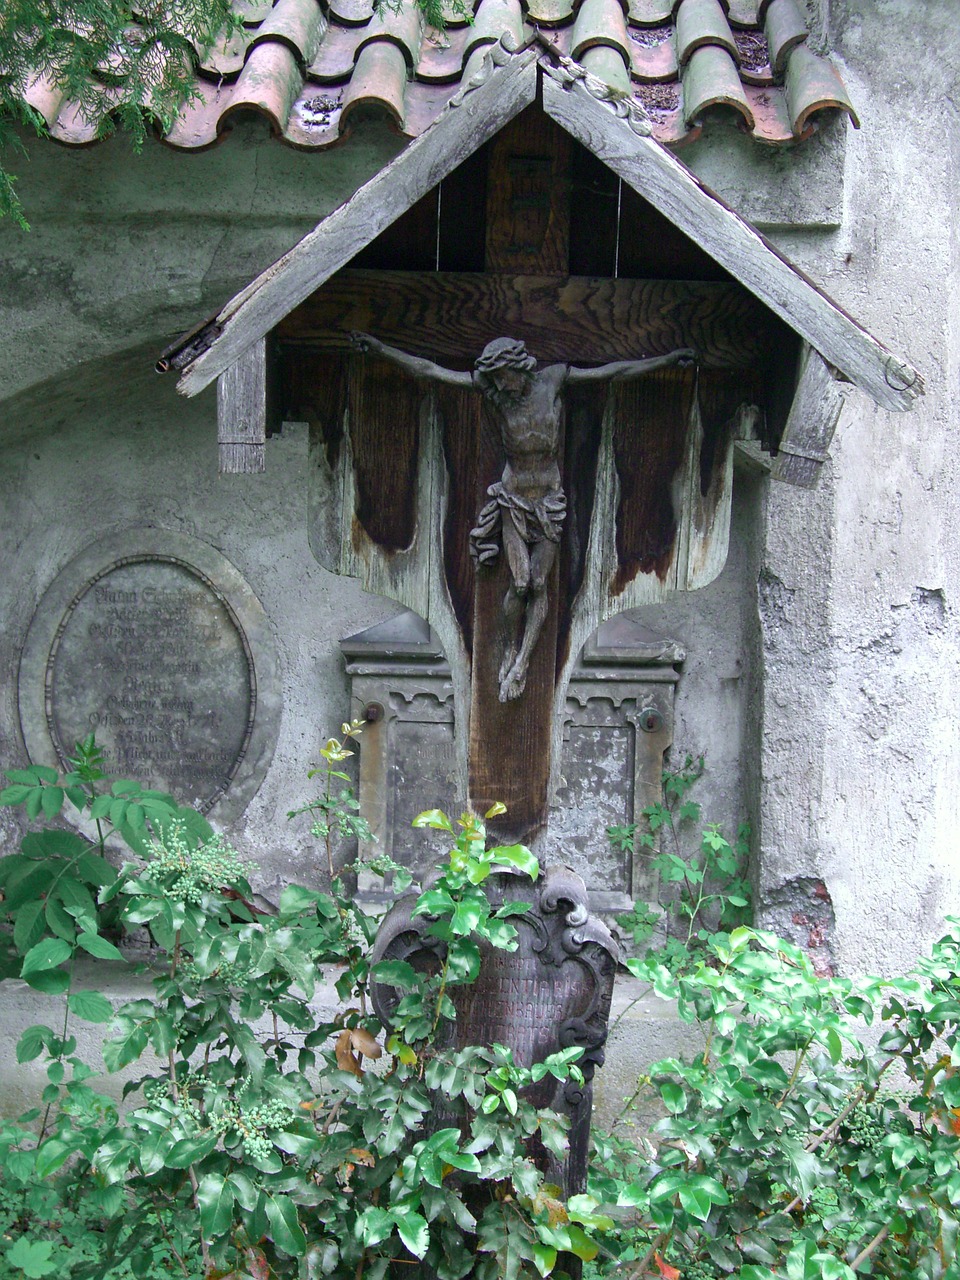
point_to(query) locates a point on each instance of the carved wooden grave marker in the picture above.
(554, 991)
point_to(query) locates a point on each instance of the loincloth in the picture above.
(539, 520)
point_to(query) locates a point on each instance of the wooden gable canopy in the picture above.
(836, 348)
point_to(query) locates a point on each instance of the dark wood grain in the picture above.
(384, 437)
(451, 316)
(651, 422)
(510, 742)
(528, 196)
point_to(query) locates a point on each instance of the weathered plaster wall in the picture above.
(113, 446)
(858, 589)
(126, 248)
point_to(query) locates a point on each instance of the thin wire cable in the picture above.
(439, 203)
(616, 249)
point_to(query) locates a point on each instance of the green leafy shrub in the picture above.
(795, 1144)
(704, 892)
(258, 1143)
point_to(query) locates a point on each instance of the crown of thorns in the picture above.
(504, 353)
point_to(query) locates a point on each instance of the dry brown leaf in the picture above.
(365, 1043)
(345, 1059)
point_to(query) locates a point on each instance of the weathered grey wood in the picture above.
(811, 423)
(242, 412)
(474, 115)
(613, 129)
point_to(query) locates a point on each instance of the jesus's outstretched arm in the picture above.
(419, 367)
(626, 370)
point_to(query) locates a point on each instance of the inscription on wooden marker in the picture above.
(151, 658)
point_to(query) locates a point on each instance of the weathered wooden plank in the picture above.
(452, 315)
(242, 412)
(510, 742)
(811, 422)
(475, 115)
(528, 197)
(613, 130)
(385, 537)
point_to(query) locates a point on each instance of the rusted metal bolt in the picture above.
(650, 720)
(372, 712)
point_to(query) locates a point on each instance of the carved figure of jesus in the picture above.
(526, 508)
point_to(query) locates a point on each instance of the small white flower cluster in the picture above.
(253, 1124)
(184, 873)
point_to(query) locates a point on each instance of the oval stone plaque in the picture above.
(163, 653)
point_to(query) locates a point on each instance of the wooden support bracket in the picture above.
(811, 422)
(244, 407)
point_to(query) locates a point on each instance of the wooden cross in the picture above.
(405, 462)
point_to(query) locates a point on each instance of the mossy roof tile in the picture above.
(309, 69)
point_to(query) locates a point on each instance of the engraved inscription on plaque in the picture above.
(150, 659)
(153, 642)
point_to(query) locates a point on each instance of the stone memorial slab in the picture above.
(618, 722)
(153, 642)
(554, 991)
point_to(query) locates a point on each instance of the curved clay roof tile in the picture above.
(771, 120)
(549, 13)
(43, 94)
(785, 29)
(352, 13)
(607, 64)
(380, 80)
(650, 13)
(402, 27)
(269, 83)
(199, 123)
(600, 22)
(742, 13)
(314, 119)
(700, 23)
(338, 52)
(711, 80)
(298, 23)
(812, 83)
(653, 54)
(252, 12)
(226, 59)
(493, 18)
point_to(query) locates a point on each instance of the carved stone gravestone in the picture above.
(554, 991)
(153, 642)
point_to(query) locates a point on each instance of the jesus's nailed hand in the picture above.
(362, 342)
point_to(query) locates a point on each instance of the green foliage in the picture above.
(262, 1144)
(784, 1151)
(705, 892)
(122, 64)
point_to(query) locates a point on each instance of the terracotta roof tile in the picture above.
(703, 22)
(812, 84)
(300, 24)
(711, 79)
(493, 18)
(785, 29)
(601, 22)
(309, 67)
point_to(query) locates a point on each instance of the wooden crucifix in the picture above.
(518, 497)
(527, 505)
